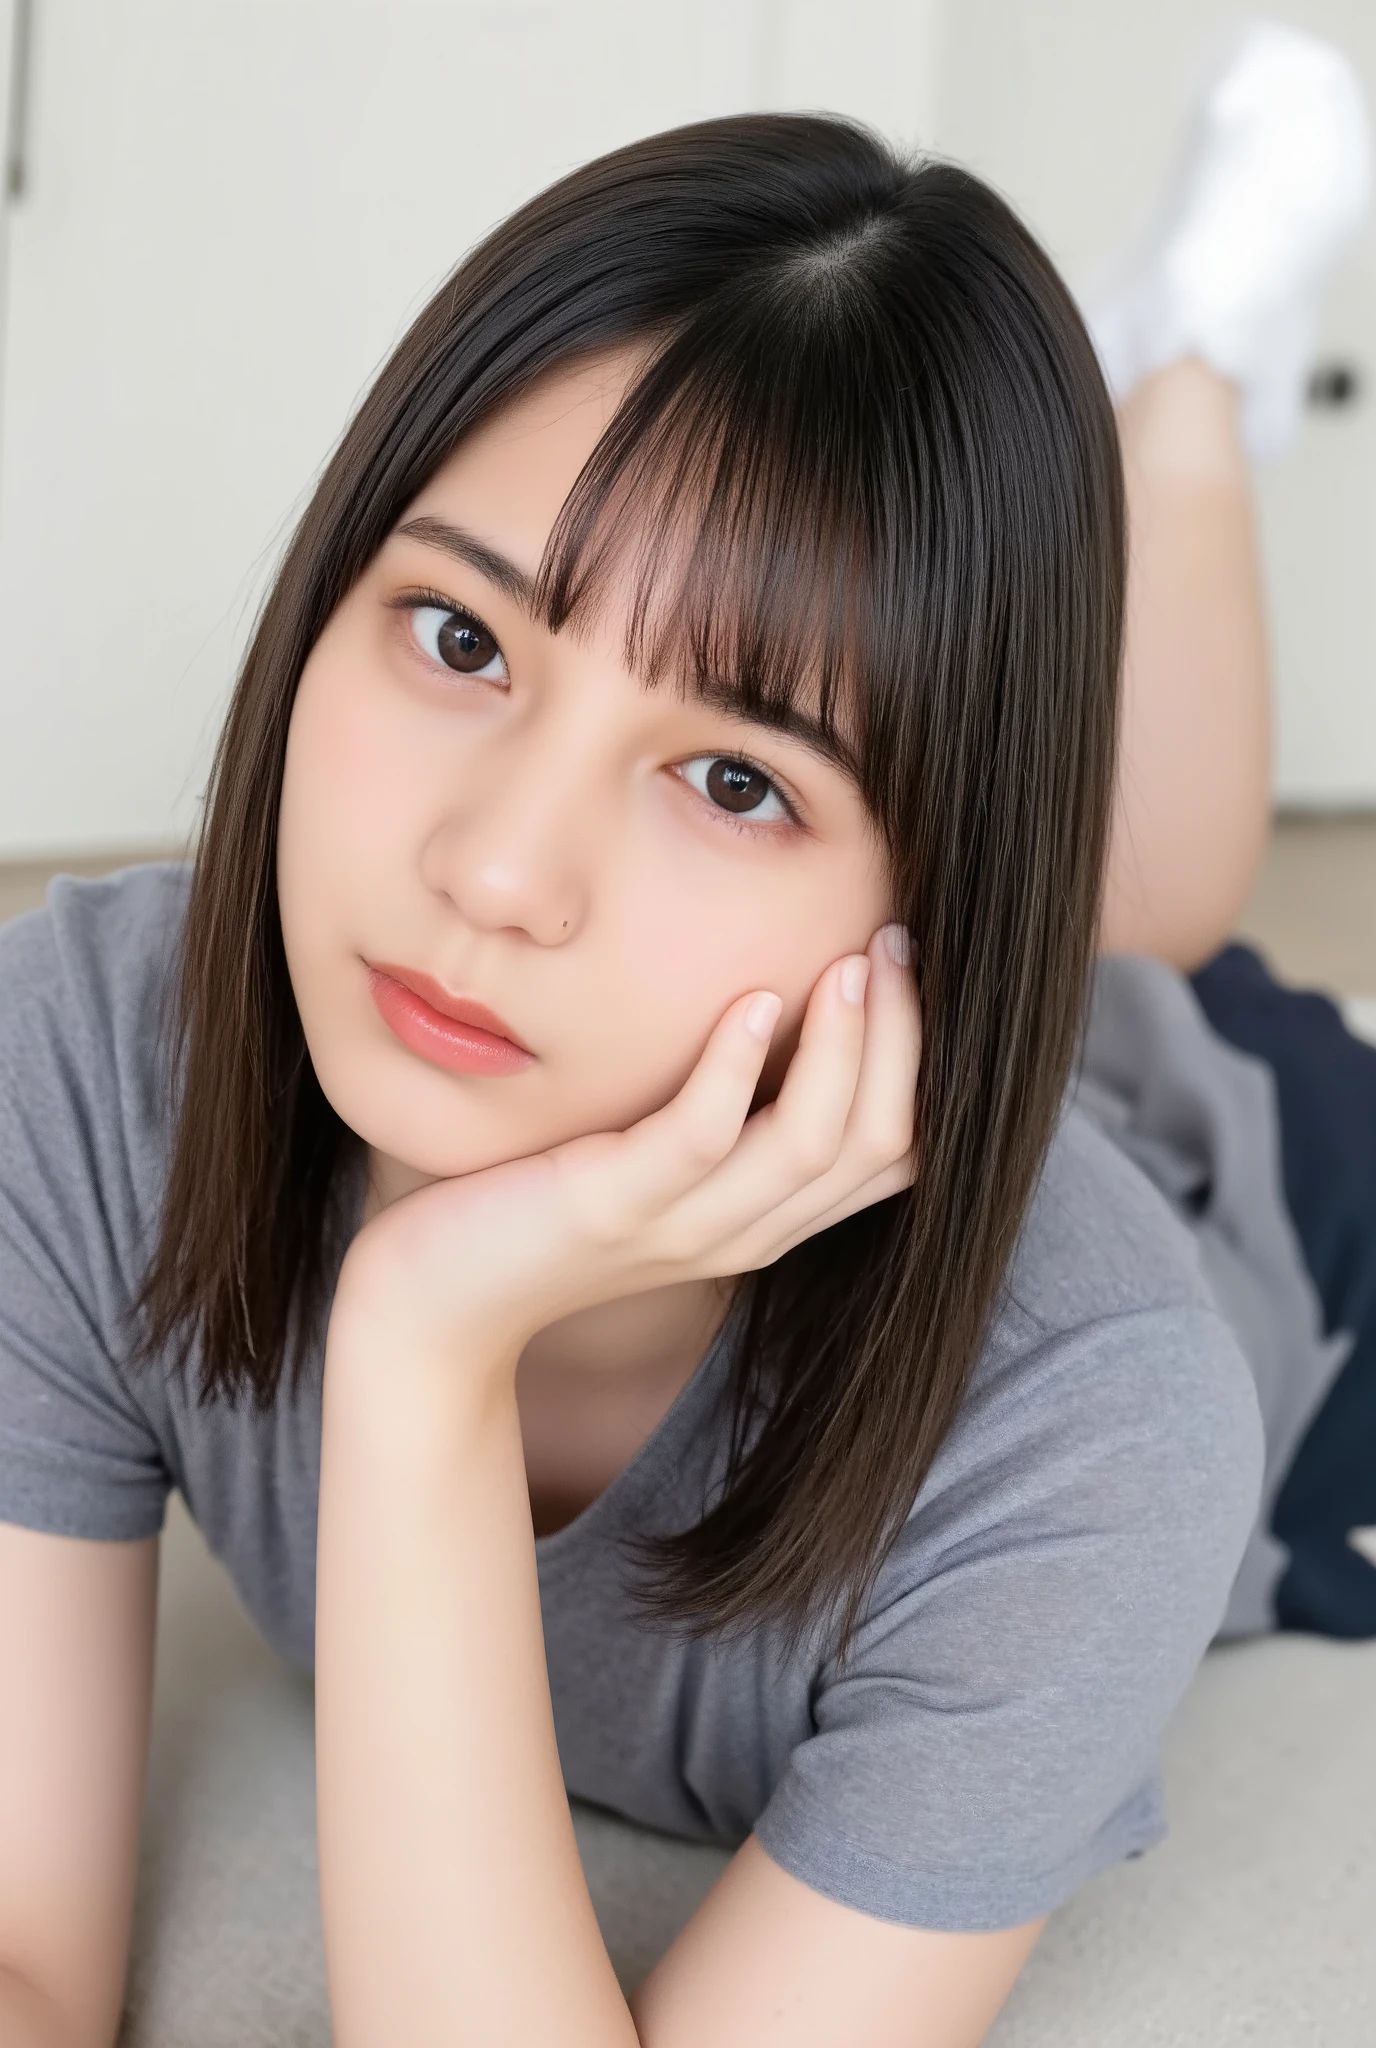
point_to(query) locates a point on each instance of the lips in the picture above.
(450, 1031)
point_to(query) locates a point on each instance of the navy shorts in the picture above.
(1326, 1088)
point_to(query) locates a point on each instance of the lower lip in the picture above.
(460, 1048)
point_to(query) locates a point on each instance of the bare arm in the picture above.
(28, 2018)
(76, 1647)
(452, 1892)
(453, 1896)
(1194, 796)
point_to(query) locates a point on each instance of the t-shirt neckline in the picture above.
(673, 1428)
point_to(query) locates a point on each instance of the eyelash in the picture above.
(435, 600)
(739, 821)
(734, 821)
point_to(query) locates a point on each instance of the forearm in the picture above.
(453, 1897)
(29, 2019)
(1194, 786)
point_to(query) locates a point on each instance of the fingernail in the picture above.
(762, 1016)
(854, 974)
(897, 944)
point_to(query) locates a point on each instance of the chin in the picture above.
(443, 1126)
(443, 1144)
(438, 1149)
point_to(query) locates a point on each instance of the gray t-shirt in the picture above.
(992, 1741)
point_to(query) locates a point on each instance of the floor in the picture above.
(1313, 911)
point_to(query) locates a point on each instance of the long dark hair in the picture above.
(870, 393)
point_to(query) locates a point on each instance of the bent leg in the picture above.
(1273, 181)
(1194, 785)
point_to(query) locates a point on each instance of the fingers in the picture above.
(874, 1157)
(789, 1144)
(727, 1191)
(891, 1182)
(670, 1151)
(805, 1126)
(842, 1122)
(879, 1130)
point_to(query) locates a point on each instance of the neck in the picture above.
(655, 1339)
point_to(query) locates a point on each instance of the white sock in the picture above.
(1272, 186)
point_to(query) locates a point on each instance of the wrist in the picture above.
(376, 1340)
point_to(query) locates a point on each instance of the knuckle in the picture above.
(705, 1146)
(812, 1153)
(887, 1137)
(750, 1253)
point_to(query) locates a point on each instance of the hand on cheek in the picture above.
(465, 1270)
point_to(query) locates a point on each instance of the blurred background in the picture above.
(219, 215)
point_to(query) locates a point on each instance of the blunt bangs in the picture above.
(726, 501)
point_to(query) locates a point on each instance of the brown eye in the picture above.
(464, 646)
(461, 642)
(737, 786)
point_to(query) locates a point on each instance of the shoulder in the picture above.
(82, 981)
(1109, 1371)
(82, 1104)
(82, 1150)
(96, 948)
(1098, 1237)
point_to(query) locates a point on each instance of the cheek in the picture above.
(351, 794)
(343, 804)
(336, 778)
(660, 982)
(679, 961)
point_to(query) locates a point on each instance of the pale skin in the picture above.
(1194, 797)
(537, 835)
(548, 859)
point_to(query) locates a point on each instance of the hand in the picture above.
(472, 1267)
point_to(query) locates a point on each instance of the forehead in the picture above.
(518, 466)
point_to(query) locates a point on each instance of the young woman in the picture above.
(603, 1322)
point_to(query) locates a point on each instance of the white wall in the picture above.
(235, 206)
(1073, 108)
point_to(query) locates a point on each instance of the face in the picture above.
(512, 814)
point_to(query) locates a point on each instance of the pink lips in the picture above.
(451, 1032)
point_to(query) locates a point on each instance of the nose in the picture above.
(511, 851)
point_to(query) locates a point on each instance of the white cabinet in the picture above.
(232, 209)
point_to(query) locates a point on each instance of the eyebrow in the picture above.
(787, 719)
(498, 568)
(514, 583)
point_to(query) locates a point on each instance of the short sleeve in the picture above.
(992, 1740)
(78, 1454)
